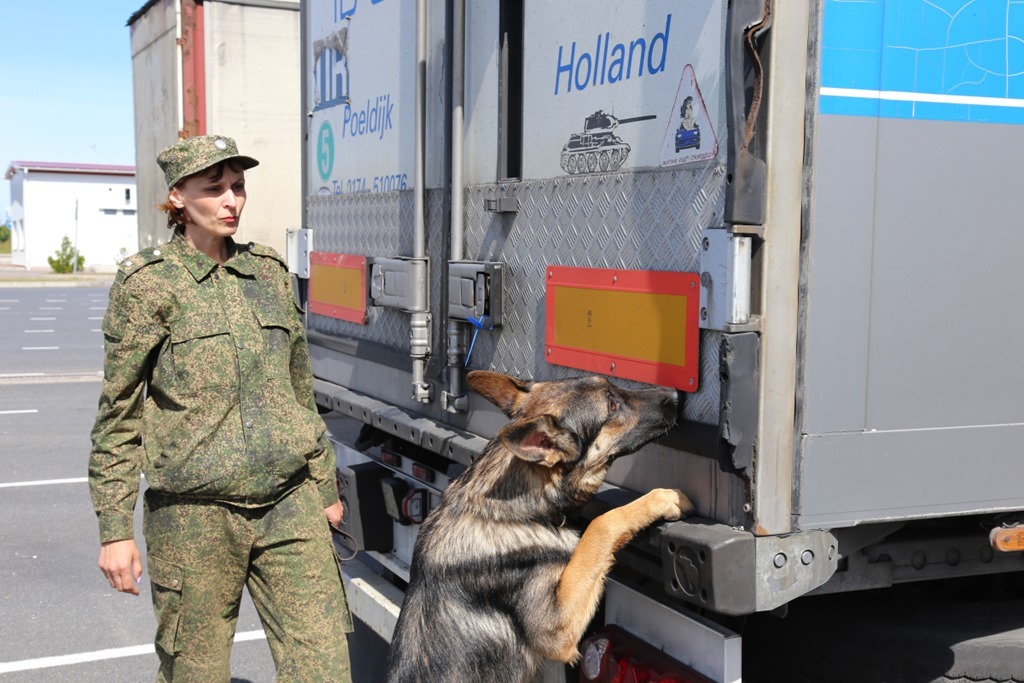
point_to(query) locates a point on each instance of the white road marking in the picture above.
(51, 308)
(40, 348)
(56, 301)
(19, 412)
(38, 319)
(37, 331)
(42, 482)
(95, 330)
(55, 378)
(100, 655)
(9, 301)
(96, 318)
(97, 308)
(5, 308)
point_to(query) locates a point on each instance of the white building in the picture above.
(93, 204)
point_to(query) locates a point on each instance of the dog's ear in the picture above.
(540, 440)
(501, 390)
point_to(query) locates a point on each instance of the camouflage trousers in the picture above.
(201, 554)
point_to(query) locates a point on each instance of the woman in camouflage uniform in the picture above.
(207, 390)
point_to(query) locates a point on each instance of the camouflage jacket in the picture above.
(207, 387)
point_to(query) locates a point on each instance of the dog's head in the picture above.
(569, 422)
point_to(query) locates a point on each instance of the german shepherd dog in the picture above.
(498, 583)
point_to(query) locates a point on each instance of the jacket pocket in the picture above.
(276, 328)
(168, 582)
(202, 353)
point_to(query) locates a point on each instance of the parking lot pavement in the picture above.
(60, 619)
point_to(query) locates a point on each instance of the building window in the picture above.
(127, 195)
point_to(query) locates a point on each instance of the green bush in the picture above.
(5, 233)
(63, 259)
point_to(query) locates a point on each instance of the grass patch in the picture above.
(5, 247)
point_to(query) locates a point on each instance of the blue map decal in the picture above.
(951, 60)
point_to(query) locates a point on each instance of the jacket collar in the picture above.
(200, 265)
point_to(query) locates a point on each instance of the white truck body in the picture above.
(480, 177)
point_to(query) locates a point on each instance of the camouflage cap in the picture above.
(192, 155)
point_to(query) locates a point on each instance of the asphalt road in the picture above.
(59, 619)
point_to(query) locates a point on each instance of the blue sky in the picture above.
(65, 84)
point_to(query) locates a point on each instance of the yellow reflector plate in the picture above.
(633, 324)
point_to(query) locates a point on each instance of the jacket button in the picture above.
(241, 345)
(248, 425)
(174, 583)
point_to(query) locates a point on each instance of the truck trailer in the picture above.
(796, 214)
(225, 67)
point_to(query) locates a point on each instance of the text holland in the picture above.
(610, 63)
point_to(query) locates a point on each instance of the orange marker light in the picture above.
(1007, 540)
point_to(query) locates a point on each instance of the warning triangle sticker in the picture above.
(689, 137)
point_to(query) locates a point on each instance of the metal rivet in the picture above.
(918, 560)
(807, 557)
(780, 560)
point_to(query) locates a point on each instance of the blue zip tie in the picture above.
(478, 324)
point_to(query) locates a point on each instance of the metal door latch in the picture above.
(474, 291)
(399, 283)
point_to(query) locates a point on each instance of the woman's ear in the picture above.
(175, 199)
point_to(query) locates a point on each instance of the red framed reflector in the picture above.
(634, 324)
(337, 286)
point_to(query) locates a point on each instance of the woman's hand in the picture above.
(334, 514)
(121, 563)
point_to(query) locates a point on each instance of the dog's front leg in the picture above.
(582, 581)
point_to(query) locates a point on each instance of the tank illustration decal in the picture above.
(597, 148)
(690, 136)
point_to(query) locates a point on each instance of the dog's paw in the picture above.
(671, 504)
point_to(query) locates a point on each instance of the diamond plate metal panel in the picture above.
(642, 221)
(372, 224)
(649, 221)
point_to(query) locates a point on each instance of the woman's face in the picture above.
(212, 201)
